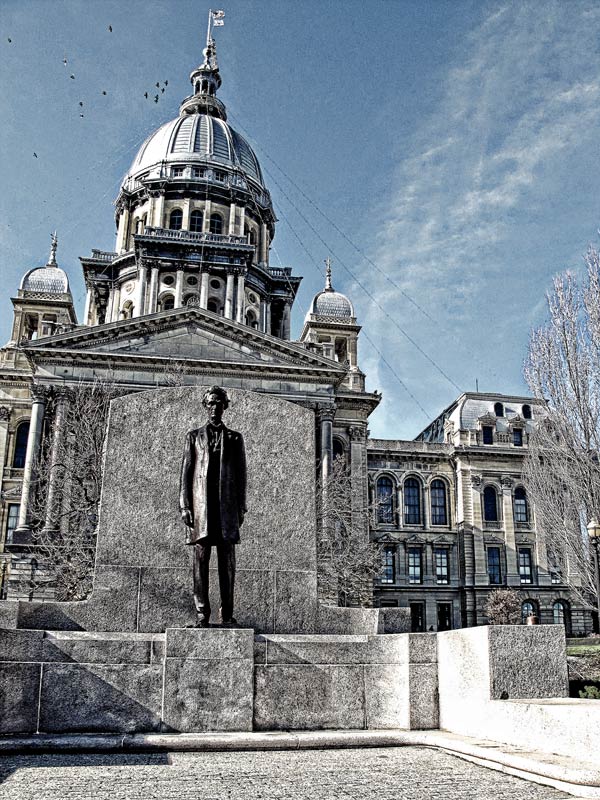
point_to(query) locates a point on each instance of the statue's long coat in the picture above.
(232, 495)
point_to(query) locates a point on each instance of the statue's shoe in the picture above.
(230, 623)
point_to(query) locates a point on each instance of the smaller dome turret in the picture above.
(50, 279)
(329, 303)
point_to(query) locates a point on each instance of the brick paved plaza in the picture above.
(404, 773)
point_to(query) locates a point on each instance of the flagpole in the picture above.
(209, 23)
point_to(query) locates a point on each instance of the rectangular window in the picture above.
(487, 434)
(388, 572)
(494, 570)
(555, 577)
(197, 172)
(220, 175)
(417, 617)
(388, 603)
(525, 570)
(415, 565)
(442, 571)
(12, 521)
(518, 437)
(177, 172)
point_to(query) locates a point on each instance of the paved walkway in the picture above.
(402, 773)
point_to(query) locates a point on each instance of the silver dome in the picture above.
(195, 138)
(330, 303)
(49, 280)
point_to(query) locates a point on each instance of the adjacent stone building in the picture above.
(189, 291)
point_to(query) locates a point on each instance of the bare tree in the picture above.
(562, 471)
(348, 561)
(67, 490)
(503, 607)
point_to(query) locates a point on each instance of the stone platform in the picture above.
(194, 680)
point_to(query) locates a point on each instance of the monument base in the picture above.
(214, 679)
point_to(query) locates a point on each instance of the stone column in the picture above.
(123, 231)
(4, 420)
(56, 472)
(229, 289)
(204, 278)
(153, 291)
(38, 395)
(206, 217)
(268, 317)
(232, 210)
(140, 290)
(88, 306)
(242, 220)
(262, 323)
(326, 413)
(159, 210)
(241, 297)
(185, 222)
(116, 304)
(512, 559)
(286, 320)
(263, 243)
(179, 287)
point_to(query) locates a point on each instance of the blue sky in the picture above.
(448, 151)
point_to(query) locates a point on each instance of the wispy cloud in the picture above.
(522, 96)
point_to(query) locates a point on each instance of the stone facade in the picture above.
(455, 522)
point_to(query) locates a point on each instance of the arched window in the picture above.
(166, 302)
(216, 223)
(560, 614)
(21, 445)
(339, 451)
(526, 410)
(528, 609)
(127, 310)
(412, 502)
(196, 218)
(385, 500)
(439, 514)
(251, 320)
(498, 409)
(490, 504)
(520, 505)
(176, 219)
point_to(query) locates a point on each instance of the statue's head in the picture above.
(215, 400)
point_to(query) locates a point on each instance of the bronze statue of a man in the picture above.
(212, 500)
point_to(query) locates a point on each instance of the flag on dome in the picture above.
(218, 18)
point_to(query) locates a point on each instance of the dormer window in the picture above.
(526, 411)
(487, 434)
(498, 409)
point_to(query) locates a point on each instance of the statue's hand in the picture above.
(186, 516)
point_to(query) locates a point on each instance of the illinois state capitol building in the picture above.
(189, 287)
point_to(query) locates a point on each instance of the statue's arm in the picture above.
(185, 486)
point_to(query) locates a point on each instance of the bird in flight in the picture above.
(156, 99)
(65, 61)
(103, 92)
(72, 77)
(166, 83)
(162, 91)
(110, 28)
(35, 155)
(9, 40)
(81, 104)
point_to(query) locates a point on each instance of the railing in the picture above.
(191, 236)
(103, 255)
(280, 272)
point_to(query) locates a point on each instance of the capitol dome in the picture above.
(329, 303)
(194, 139)
(50, 279)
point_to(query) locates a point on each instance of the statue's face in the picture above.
(215, 407)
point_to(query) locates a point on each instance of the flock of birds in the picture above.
(147, 95)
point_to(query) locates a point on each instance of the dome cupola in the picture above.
(329, 303)
(50, 279)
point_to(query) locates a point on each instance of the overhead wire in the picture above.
(369, 294)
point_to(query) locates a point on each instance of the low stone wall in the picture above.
(193, 680)
(510, 684)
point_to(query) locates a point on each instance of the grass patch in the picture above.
(583, 650)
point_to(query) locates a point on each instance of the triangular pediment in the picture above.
(188, 335)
